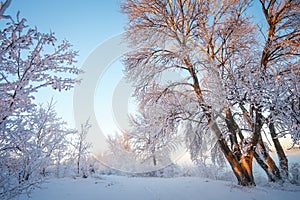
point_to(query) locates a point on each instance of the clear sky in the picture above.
(85, 23)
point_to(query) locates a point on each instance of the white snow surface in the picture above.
(144, 188)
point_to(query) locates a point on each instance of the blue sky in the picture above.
(84, 23)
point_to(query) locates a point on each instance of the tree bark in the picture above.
(271, 170)
(283, 161)
(233, 129)
(246, 164)
(245, 159)
(154, 159)
(243, 174)
(263, 165)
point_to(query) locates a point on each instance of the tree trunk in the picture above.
(272, 169)
(78, 165)
(283, 161)
(154, 159)
(243, 174)
(246, 164)
(245, 159)
(263, 165)
(233, 129)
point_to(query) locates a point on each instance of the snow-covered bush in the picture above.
(209, 171)
(35, 151)
(295, 173)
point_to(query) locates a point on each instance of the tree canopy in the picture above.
(234, 85)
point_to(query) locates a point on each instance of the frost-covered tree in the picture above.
(280, 64)
(50, 137)
(153, 133)
(31, 60)
(267, 93)
(82, 147)
(30, 136)
(131, 152)
(33, 141)
(224, 88)
(120, 156)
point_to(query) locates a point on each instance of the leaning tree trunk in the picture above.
(246, 164)
(242, 170)
(245, 159)
(266, 162)
(242, 173)
(283, 161)
(279, 19)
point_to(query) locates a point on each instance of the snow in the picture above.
(153, 188)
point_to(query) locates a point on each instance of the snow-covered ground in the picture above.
(131, 188)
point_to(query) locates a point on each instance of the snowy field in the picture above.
(131, 188)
